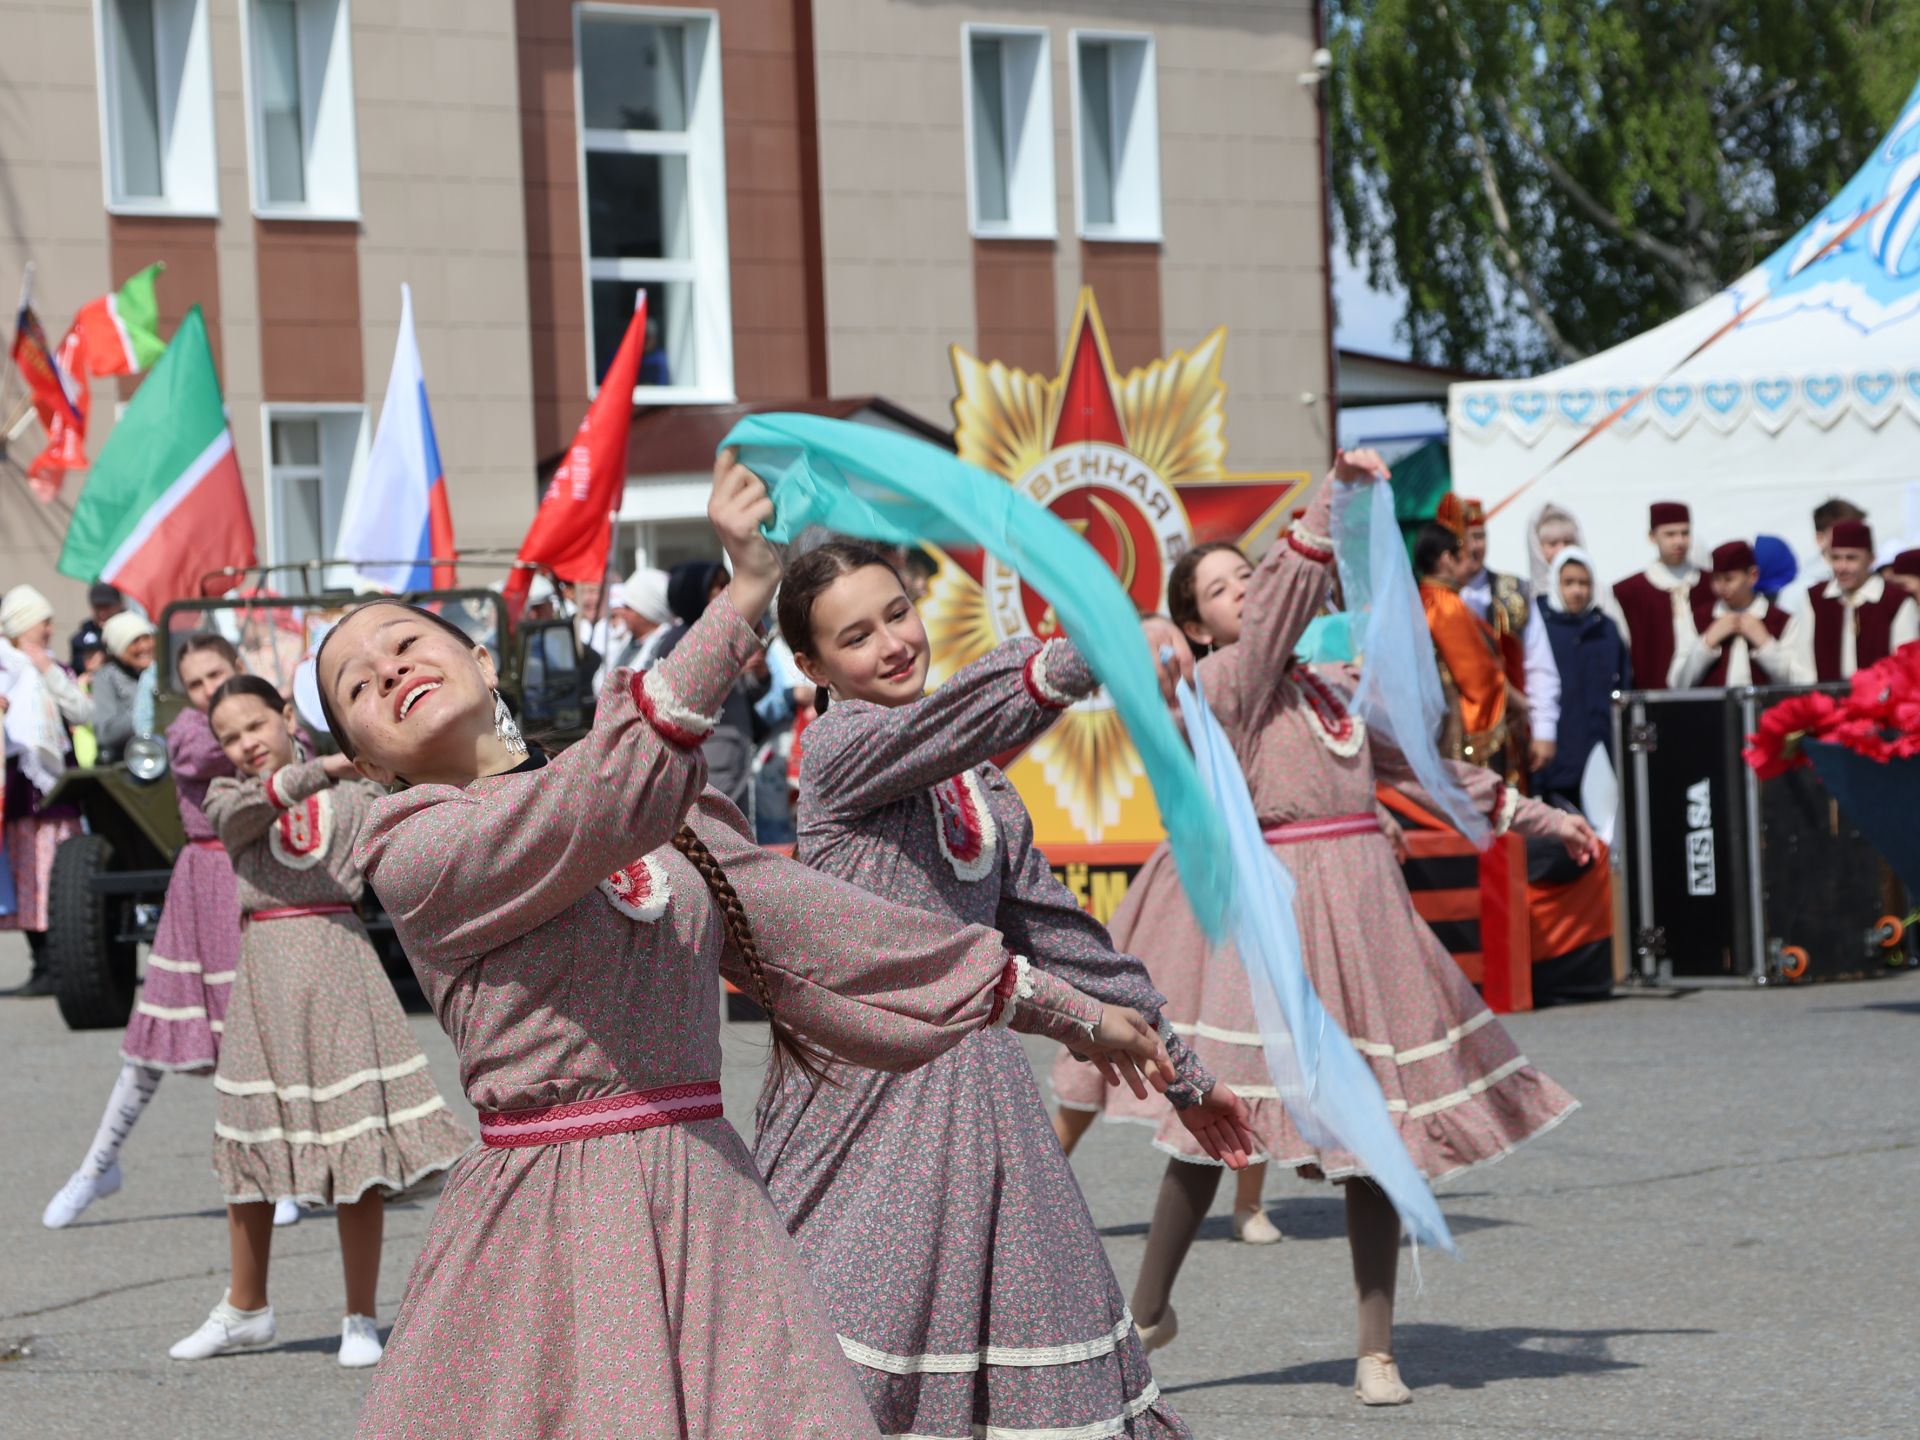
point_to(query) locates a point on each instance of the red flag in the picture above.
(573, 526)
(58, 396)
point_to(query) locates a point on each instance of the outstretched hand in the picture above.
(737, 509)
(1359, 467)
(1163, 636)
(1582, 844)
(1222, 1125)
(1125, 1050)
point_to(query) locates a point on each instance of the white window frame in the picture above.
(1035, 191)
(1141, 177)
(328, 127)
(355, 463)
(708, 266)
(189, 156)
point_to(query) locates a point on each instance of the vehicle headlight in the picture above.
(146, 758)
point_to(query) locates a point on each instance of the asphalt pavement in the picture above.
(1719, 1244)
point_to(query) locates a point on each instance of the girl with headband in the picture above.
(607, 1262)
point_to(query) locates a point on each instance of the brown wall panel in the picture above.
(190, 250)
(1013, 304)
(310, 347)
(1126, 283)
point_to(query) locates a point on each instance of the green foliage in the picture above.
(1547, 178)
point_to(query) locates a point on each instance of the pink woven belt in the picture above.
(609, 1115)
(294, 912)
(1327, 827)
(209, 844)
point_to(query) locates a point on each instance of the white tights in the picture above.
(132, 1089)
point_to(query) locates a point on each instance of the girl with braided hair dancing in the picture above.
(607, 1263)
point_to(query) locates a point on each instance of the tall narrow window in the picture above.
(654, 193)
(1009, 133)
(156, 103)
(283, 158)
(310, 458)
(301, 126)
(1116, 136)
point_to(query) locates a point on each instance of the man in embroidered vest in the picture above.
(1471, 674)
(1856, 618)
(1748, 641)
(1525, 653)
(1827, 514)
(1667, 604)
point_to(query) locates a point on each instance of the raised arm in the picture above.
(859, 756)
(463, 871)
(242, 809)
(1505, 807)
(1041, 919)
(1289, 586)
(878, 984)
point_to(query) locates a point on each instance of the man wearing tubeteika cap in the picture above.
(1668, 604)
(1747, 641)
(1856, 618)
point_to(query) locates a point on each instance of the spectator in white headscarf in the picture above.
(129, 642)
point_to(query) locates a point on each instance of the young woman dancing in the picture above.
(324, 1096)
(961, 1266)
(608, 1263)
(183, 1000)
(1461, 1092)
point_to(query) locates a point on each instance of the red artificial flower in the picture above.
(1863, 737)
(1872, 694)
(1774, 748)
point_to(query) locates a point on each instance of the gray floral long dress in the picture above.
(959, 1261)
(637, 1283)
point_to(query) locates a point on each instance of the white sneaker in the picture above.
(225, 1331)
(1252, 1227)
(360, 1342)
(78, 1193)
(286, 1212)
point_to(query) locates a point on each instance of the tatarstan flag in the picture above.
(164, 504)
(121, 331)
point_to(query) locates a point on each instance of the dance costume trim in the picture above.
(1376, 1049)
(1046, 694)
(294, 912)
(1317, 548)
(964, 825)
(1509, 807)
(179, 967)
(1095, 1430)
(212, 843)
(172, 1012)
(967, 1362)
(676, 724)
(298, 838)
(1337, 728)
(1014, 987)
(608, 1115)
(320, 1093)
(274, 792)
(1327, 827)
(328, 1137)
(639, 892)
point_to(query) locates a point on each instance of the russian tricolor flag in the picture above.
(398, 513)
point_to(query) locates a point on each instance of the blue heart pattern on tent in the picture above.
(1823, 391)
(1618, 395)
(1528, 406)
(1874, 387)
(1481, 410)
(1576, 405)
(1773, 396)
(1722, 396)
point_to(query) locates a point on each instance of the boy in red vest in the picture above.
(1747, 641)
(1666, 605)
(1856, 618)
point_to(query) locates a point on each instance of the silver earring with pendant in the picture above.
(505, 727)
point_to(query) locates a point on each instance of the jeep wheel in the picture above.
(93, 969)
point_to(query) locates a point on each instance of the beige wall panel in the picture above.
(52, 213)
(1241, 199)
(441, 199)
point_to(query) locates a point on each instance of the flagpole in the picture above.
(26, 299)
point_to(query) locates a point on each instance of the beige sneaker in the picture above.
(1377, 1381)
(1152, 1337)
(1254, 1228)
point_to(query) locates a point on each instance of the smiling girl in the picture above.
(324, 1095)
(607, 1263)
(189, 977)
(963, 1270)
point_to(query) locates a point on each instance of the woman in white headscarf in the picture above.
(1550, 531)
(129, 642)
(41, 700)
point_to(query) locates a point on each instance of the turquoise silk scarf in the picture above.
(888, 487)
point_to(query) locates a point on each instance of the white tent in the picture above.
(1814, 392)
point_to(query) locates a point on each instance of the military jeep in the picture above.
(108, 885)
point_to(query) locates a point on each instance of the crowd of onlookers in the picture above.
(1531, 663)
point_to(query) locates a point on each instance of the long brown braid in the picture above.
(788, 1048)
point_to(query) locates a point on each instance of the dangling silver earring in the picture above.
(505, 728)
